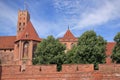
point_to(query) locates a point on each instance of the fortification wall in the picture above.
(6, 57)
(68, 72)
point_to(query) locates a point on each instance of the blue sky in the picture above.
(52, 17)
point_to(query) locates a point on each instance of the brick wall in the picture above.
(77, 68)
(69, 72)
(110, 71)
(6, 57)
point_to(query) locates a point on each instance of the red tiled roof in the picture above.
(7, 42)
(109, 48)
(29, 33)
(68, 36)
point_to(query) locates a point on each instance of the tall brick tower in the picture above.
(26, 39)
(23, 19)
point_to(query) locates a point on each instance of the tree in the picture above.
(49, 51)
(90, 49)
(70, 57)
(116, 51)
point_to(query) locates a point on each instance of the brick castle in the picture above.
(14, 49)
(19, 49)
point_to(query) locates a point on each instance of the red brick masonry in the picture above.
(69, 72)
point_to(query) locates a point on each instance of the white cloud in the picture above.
(103, 14)
(85, 14)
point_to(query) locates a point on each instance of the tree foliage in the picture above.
(49, 51)
(70, 56)
(116, 51)
(90, 49)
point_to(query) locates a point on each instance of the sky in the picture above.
(52, 17)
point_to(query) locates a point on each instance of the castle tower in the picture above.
(23, 19)
(69, 40)
(26, 41)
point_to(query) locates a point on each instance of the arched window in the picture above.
(25, 49)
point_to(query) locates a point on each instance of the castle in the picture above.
(20, 49)
(15, 51)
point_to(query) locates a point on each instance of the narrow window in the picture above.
(40, 69)
(25, 50)
(26, 35)
(19, 29)
(23, 24)
(19, 24)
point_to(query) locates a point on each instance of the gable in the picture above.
(29, 33)
(68, 36)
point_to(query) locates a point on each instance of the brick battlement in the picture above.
(77, 68)
(68, 72)
(109, 68)
(33, 69)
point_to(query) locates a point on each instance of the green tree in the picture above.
(116, 51)
(90, 49)
(49, 51)
(70, 56)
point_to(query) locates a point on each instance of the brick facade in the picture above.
(69, 72)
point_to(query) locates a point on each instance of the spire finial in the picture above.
(68, 27)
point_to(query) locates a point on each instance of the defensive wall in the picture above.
(68, 72)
